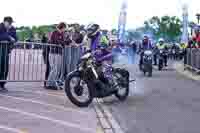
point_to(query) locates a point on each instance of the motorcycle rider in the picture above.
(102, 53)
(155, 54)
(145, 45)
(94, 36)
(183, 47)
(174, 51)
(162, 46)
(103, 57)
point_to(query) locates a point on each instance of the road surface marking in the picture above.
(45, 93)
(115, 127)
(46, 104)
(14, 130)
(64, 123)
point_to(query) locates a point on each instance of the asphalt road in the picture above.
(28, 108)
(166, 103)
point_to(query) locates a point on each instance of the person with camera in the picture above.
(7, 38)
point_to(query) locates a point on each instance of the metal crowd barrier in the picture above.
(193, 59)
(34, 62)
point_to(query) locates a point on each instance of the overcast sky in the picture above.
(104, 12)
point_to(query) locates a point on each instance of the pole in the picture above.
(122, 21)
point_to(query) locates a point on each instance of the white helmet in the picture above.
(161, 40)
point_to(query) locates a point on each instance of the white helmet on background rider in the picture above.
(161, 40)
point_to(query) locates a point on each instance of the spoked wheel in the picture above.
(78, 91)
(123, 86)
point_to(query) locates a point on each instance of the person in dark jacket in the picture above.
(77, 39)
(145, 45)
(45, 54)
(55, 57)
(7, 38)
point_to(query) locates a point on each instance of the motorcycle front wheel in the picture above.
(123, 88)
(78, 91)
(160, 65)
(150, 71)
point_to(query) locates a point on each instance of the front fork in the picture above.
(94, 72)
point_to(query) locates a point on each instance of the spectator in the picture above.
(77, 39)
(196, 39)
(67, 55)
(45, 54)
(55, 56)
(85, 42)
(7, 34)
(134, 46)
(132, 52)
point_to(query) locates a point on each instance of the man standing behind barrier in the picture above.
(77, 39)
(45, 54)
(7, 37)
(55, 57)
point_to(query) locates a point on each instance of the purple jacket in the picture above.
(95, 41)
(103, 55)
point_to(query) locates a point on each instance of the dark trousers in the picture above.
(155, 59)
(4, 63)
(46, 61)
(185, 56)
(141, 60)
(75, 55)
(165, 59)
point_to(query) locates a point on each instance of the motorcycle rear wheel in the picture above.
(72, 97)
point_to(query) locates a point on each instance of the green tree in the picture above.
(24, 33)
(133, 35)
(166, 27)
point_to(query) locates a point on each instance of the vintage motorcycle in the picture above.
(90, 81)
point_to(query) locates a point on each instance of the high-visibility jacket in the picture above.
(104, 40)
(159, 46)
(183, 46)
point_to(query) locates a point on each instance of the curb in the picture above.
(107, 121)
(180, 69)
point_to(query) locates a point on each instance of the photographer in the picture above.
(7, 38)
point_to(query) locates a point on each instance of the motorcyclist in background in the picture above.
(174, 50)
(162, 46)
(155, 54)
(183, 47)
(145, 45)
